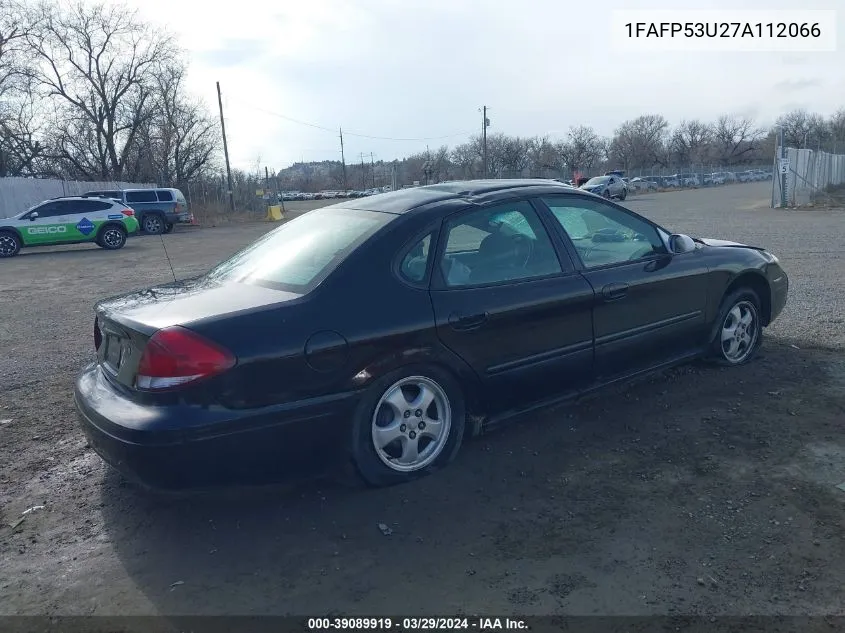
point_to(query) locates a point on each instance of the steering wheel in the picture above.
(523, 248)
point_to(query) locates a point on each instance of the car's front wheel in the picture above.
(10, 244)
(168, 227)
(112, 238)
(410, 423)
(624, 194)
(740, 331)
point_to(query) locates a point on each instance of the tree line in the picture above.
(93, 92)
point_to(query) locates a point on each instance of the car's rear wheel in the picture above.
(740, 330)
(112, 238)
(153, 224)
(606, 194)
(624, 194)
(410, 423)
(10, 244)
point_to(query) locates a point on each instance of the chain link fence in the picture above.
(809, 174)
(19, 194)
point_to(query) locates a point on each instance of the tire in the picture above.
(111, 238)
(624, 194)
(731, 347)
(606, 194)
(10, 244)
(383, 466)
(168, 228)
(153, 224)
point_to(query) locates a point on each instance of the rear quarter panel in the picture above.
(360, 324)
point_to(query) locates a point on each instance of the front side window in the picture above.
(302, 252)
(502, 243)
(603, 234)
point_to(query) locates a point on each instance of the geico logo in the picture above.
(44, 230)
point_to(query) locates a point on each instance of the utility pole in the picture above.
(363, 173)
(343, 161)
(373, 169)
(226, 151)
(267, 185)
(484, 123)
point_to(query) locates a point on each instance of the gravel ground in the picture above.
(697, 491)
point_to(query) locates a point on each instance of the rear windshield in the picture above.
(302, 252)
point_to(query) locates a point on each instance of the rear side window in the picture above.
(92, 206)
(415, 262)
(164, 195)
(141, 196)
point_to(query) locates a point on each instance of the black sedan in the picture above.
(383, 331)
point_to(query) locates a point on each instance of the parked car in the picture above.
(657, 180)
(68, 220)
(717, 178)
(606, 186)
(157, 210)
(642, 184)
(689, 180)
(730, 177)
(195, 383)
(615, 172)
(672, 181)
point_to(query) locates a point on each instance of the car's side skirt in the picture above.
(499, 419)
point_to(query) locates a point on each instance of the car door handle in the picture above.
(470, 322)
(614, 292)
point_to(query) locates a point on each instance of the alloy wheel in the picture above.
(411, 424)
(8, 245)
(112, 238)
(739, 332)
(153, 224)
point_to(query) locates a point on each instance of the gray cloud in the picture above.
(794, 85)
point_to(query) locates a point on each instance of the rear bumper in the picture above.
(185, 446)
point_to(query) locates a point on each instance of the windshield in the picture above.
(302, 252)
(598, 180)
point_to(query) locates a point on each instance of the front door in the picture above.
(46, 224)
(650, 305)
(512, 306)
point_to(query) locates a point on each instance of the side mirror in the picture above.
(33, 216)
(680, 244)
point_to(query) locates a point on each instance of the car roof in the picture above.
(470, 191)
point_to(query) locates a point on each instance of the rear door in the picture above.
(512, 305)
(650, 305)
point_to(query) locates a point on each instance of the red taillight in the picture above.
(175, 356)
(98, 335)
(128, 212)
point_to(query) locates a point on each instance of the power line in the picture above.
(333, 131)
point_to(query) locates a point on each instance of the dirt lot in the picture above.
(699, 491)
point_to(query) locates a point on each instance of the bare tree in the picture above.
(583, 148)
(514, 155)
(185, 136)
(641, 142)
(836, 125)
(21, 151)
(99, 62)
(544, 158)
(467, 158)
(735, 138)
(690, 141)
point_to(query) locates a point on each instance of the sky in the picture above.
(402, 75)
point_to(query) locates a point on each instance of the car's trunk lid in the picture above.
(127, 322)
